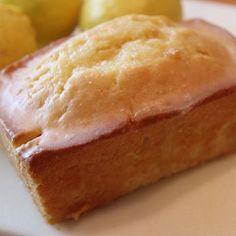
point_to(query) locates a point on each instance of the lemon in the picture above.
(97, 11)
(52, 19)
(17, 36)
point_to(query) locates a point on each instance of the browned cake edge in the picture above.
(67, 182)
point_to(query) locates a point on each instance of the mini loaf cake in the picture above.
(102, 113)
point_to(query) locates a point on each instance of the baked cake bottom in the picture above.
(65, 183)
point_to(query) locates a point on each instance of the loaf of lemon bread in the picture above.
(102, 113)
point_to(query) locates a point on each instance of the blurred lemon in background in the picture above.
(52, 19)
(97, 11)
(17, 36)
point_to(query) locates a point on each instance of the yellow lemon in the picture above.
(17, 36)
(97, 11)
(52, 19)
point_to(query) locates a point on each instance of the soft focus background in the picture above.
(225, 1)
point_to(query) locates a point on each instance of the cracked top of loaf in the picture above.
(111, 77)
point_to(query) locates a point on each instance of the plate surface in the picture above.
(198, 202)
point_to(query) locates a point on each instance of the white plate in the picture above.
(198, 202)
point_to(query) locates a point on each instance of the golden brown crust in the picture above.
(96, 109)
(97, 173)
